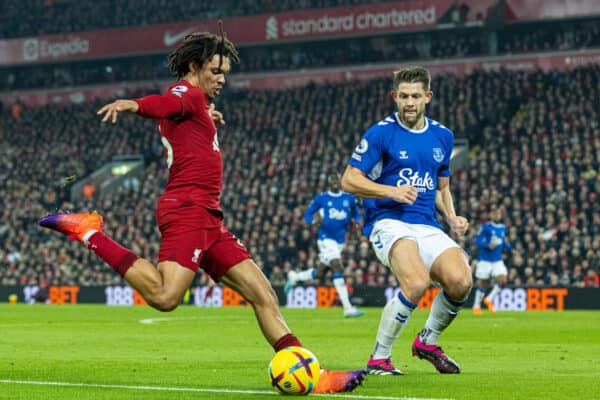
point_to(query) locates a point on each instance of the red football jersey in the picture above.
(189, 136)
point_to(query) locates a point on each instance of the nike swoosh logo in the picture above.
(169, 40)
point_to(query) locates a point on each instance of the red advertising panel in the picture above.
(269, 28)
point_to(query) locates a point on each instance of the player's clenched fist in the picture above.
(459, 225)
(215, 115)
(111, 110)
(404, 194)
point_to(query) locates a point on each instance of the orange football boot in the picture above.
(339, 381)
(74, 226)
(490, 305)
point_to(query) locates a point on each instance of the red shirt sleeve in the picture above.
(172, 105)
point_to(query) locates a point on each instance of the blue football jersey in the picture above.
(337, 209)
(492, 232)
(390, 153)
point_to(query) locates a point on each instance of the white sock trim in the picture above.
(88, 235)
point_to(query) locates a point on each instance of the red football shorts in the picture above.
(195, 237)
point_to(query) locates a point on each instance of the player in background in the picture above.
(491, 240)
(189, 213)
(333, 212)
(399, 166)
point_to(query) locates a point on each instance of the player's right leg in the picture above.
(413, 279)
(499, 272)
(162, 288)
(482, 285)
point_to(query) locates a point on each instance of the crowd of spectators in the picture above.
(535, 146)
(45, 17)
(424, 46)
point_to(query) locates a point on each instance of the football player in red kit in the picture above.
(188, 213)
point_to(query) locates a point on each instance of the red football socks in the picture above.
(118, 257)
(286, 341)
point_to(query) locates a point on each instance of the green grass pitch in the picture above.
(99, 352)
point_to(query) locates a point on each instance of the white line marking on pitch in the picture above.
(148, 321)
(202, 390)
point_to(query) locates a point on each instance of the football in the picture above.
(294, 370)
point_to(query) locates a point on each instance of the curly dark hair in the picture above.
(200, 47)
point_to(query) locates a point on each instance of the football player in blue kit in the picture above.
(334, 211)
(401, 168)
(491, 240)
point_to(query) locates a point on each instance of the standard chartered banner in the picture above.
(510, 299)
(311, 24)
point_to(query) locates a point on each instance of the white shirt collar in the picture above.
(411, 130)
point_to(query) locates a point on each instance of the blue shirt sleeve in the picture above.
(482, 239)
(313, 207)
(444, 169)
(368, 152)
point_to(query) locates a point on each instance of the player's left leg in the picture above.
(342, 290)
(294, 277)
(325, 254)
(452, 271)
(248, 280)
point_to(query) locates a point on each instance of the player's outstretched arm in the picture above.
(111, 110)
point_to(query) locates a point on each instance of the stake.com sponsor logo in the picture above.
(349, 23)
(40, 49)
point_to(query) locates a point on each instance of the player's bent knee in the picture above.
(163, 303)
(458, 287)
(415, 288)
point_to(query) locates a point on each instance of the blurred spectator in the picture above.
(535, 145)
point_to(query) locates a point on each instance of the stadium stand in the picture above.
(536, 133)
(422, 46)
(66, 16)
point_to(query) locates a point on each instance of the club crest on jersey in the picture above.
(196, 256)
(179, 90)
(438, 154)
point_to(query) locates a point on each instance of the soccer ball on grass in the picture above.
(294, 370)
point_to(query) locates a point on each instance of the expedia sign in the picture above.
(35, 49)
